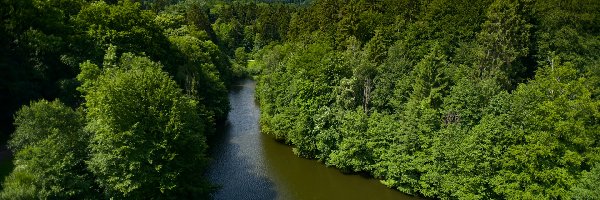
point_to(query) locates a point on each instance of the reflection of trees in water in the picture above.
(236, 153)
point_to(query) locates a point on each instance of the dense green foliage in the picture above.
(136, 89)
(149, 138)
(486, 99)
(51, 151)
(45, 41)
(490, 99)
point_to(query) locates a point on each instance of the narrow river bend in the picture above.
(250, 165)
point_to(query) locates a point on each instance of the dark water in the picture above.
(251, 165)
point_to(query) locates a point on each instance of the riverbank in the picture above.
(250, 165)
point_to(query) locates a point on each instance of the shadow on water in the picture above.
(305, 179)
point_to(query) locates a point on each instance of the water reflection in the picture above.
(234, 166)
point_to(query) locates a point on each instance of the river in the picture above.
(250, 165)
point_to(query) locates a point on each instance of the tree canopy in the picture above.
(122, 96)
(148, 136)
(449, 99)
(445, 98)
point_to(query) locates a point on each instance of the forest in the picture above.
(111, 99)
(443, 99)
(449, 99)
